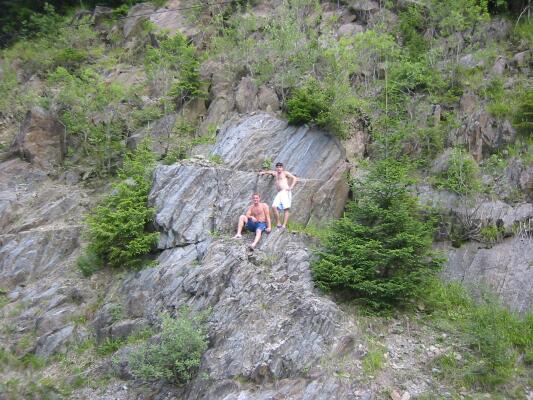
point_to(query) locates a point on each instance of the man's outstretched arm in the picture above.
(273, 173)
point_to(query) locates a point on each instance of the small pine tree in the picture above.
(380, 251)
(117, 227)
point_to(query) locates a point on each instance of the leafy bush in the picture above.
(461, 175)
(380, 251)
(326, 108)
(117, 233)
(176, 355)
(309, 104)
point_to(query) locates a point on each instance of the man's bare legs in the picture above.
(286, 218)
(276, 213)
(258, 233)
(243, 219)
(286, 215)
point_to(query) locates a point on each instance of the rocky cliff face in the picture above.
(271, 334)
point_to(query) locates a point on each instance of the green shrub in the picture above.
(110, 346)
(176, 355)
(491, 233)
(309, 104)
(117, 228)
(380, 251)
(88, 263)
(412, 23)
(329, 108)
(461, 175)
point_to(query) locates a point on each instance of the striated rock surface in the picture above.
(505, 268)
(192, 200)
(267, 322)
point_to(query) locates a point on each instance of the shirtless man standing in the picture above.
(257, 219)
(283, 199)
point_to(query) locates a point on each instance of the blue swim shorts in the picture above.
(253, 226)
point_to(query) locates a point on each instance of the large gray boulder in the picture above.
(246, 142)
(194, 200)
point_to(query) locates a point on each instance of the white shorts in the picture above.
(283, 200)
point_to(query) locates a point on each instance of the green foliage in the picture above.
(523, 120)
(287, 51)
(380, 251)
(491, 233)
(180, 141)
(457, 15)
(146, 114)
(89, 263)
(309, 104)
(58, 44)
(523, 34)
(173, 68)
(216, 158)
(461, 175)
(110, 346)
(176, 355)
(79, 99)
(374, 359)
(117, 228)
(495, 338)
(267, 164)
(412, 23)
(323, 107)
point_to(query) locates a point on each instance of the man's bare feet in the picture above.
(237, 237)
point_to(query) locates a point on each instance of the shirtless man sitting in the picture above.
(257, 219)
(283, 199)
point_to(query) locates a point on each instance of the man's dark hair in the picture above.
(279, 164)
